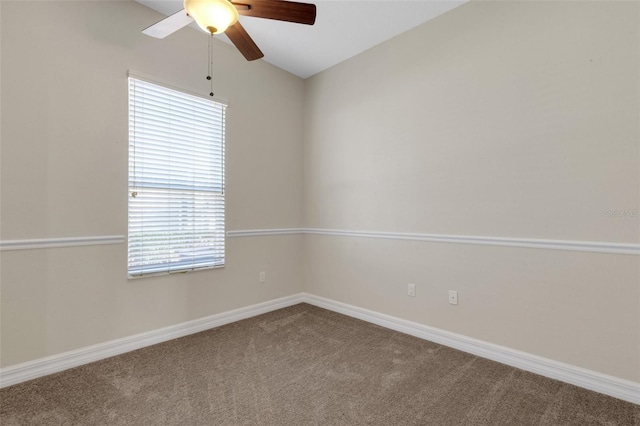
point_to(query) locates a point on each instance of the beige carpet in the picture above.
(304, 366)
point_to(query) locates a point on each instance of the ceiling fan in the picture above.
(221, 16)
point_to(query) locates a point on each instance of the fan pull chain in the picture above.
(209, 75)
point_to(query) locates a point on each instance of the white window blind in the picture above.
(176, 180)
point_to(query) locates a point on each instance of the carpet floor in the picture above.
(304, 365)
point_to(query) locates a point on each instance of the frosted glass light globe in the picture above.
(213, 16)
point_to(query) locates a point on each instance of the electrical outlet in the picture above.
(263, 277)
(453, 297)
(411, 290)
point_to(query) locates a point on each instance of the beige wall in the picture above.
(64, 174)
(499, 119)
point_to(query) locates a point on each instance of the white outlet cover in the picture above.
(411, 290)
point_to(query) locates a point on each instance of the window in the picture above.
(176, 180)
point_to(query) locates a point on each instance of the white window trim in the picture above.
(222, 101)
(149, 79)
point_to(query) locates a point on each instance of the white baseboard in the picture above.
(602, 383)
(52, 364)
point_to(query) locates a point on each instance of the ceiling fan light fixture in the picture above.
(213, 16)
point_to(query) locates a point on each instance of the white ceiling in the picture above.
(343, 28)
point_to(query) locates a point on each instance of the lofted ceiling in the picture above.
(343, 29)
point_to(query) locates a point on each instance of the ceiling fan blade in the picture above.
(168, 25)
(301, 13)
(245, 44)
